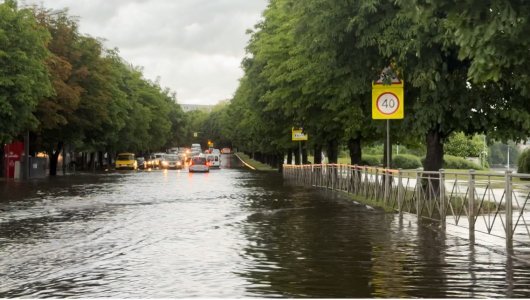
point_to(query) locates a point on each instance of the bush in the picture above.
(455, 162)
(371, 160)
(406, 161)
(523, 165)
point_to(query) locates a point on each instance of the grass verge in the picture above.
(376, 204)
(253, 164)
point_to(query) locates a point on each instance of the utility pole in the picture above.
(484, 152)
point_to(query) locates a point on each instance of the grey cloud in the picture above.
(195, 46)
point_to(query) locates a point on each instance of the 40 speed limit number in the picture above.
(387, 103)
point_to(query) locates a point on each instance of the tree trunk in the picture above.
(289, 157)
(280, 164)
(54, 156)
(435, 151)
(317, 154)
(304, 154)
(354, 145)
(100, 159)
(332, 151)
(64, 160)
(433, 162)
(92, 161)
(296, 153)
(83, 163)
(73, 161)
(109, 160)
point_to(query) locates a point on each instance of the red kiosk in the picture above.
(12, 153)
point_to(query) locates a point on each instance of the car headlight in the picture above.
(164, 163)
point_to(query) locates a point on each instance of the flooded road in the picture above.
(229, 233)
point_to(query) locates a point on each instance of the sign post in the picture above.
(387, 104)
(299, 135)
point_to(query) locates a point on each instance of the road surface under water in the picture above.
(229, 233)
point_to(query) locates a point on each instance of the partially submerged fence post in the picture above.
(365, 179)
(349, 179)
(509, 209)
(442, 199)
(376, 186)
(386, 187)
(400, 192)
(471, 205)
(418, 193)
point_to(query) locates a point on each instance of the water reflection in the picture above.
(229, 233)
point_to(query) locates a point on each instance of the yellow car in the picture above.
(126, 161)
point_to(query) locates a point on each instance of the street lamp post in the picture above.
(508, 156)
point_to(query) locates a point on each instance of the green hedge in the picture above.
(523, 164)
(409, 161)
(371, 160)
(406, 161)
(455, 162)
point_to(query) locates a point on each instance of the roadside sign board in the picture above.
(299, 135)
(387, 101)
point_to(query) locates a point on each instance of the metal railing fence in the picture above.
(497, 204)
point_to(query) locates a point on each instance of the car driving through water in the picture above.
(126, 161)
(173, 161)
(199, 164)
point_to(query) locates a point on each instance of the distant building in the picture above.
(191, 107)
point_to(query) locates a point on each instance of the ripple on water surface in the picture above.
(229, 233)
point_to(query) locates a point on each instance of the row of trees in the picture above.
(311, 64)
(67, 89)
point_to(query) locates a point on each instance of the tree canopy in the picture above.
(24, 78)
(68, 89)
(311, 63)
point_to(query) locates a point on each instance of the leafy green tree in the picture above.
(24, 79)
(436, 47)
(523, 164)
(101, 103)
(458, 144)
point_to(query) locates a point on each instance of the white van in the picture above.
(196, 149)
(214, 160)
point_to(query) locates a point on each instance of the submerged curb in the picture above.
(245, 163)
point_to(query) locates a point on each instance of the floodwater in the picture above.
(229, 233)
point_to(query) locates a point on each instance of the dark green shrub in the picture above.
(406, 161)
(523, 164)
(371, 160)
(455, 162)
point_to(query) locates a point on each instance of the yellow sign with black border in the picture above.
(387, 101)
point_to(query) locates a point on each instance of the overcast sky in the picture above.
(194, 46)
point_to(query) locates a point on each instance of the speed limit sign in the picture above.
(387, 101)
